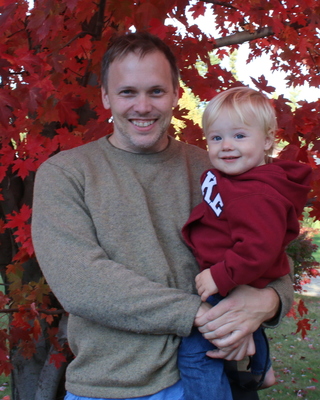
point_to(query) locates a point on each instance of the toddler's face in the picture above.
(234, 147)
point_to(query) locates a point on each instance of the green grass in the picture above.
(316, 240)
(5, 389)
(296, 360)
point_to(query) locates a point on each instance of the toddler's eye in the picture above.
(240, 136)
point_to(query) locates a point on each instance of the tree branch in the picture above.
(39, 310)
(100, 20)
(219, 3)
(241, 37)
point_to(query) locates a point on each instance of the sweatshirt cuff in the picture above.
(221, 278)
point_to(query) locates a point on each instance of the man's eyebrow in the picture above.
(126, 87)
(130, 87)
(158, 87)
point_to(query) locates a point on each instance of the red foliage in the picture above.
(303, 327)
(50, 100)
(57, 359)
(19, 222)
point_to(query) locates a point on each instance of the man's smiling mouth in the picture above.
(143, 124)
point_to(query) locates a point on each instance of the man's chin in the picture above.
(150, 143)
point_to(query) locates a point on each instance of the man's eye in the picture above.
(126, 92)
(157, 92)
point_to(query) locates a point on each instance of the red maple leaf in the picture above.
(262, 84)
(57, 359)
(29, 60)
(71, 4)
(303, 326)
(158, 28)
(17, 219)
(302, 309)
(6, 368)
(4, 300)
(6, 13)
(14, 269)
(19, 222)
(48, 318)
(68, 140)
(197, 10)
(66, 107)
(7, 103)
(36, 329)
(24, 167)
(20, 320)
(290, 152)
(27, 348)
(292, 313)
(23, 254)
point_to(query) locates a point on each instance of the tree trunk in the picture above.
(35, 378)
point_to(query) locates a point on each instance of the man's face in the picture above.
(141, 97)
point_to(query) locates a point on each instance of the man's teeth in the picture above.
(143, 123)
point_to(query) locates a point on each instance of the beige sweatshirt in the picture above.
(107, 233)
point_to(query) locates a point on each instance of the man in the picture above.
(106, 230)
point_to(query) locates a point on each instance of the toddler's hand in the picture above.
(205, 284)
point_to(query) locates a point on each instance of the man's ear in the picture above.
(176, 97)
(105, 99)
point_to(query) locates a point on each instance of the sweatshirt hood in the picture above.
(290, 178)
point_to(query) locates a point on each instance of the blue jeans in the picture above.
(260, 361)
(174, 392)
(203, 377)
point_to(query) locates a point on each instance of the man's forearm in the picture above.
(284, 289)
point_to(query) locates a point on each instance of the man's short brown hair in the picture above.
(141, 43)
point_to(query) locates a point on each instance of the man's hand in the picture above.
(245, 347)
(229, 324)
(203, 309)
(205, 284)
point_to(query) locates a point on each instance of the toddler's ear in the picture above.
(268, 142)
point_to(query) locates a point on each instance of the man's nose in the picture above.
(142, 104)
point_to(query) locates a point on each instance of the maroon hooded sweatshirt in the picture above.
(244, 223)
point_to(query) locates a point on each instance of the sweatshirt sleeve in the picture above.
(258, 225)
(79, 272)
(284, 288)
